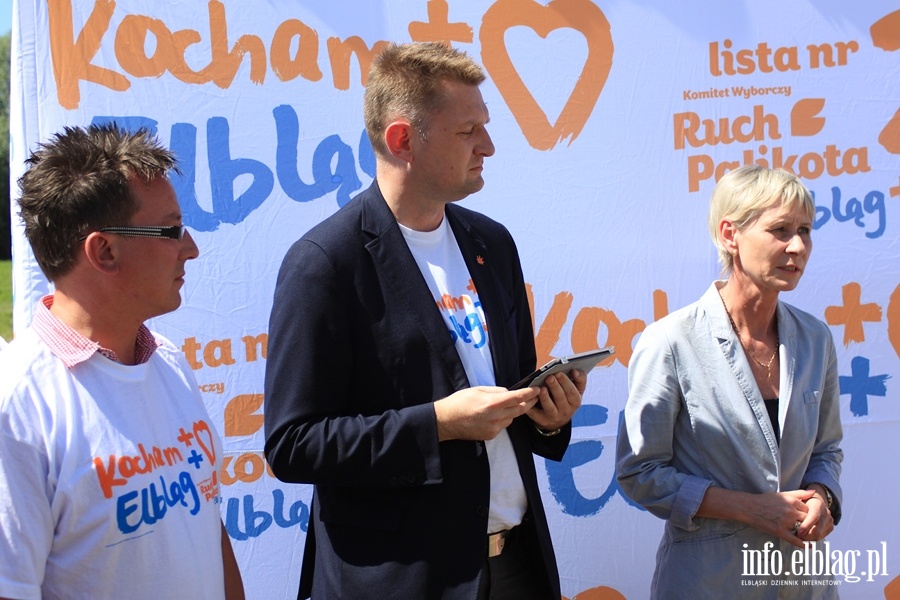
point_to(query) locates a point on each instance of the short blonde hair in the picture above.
(406, 80)
(743, 194)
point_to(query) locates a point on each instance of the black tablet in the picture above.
(583, 361)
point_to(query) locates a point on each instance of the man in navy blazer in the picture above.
(394, 324)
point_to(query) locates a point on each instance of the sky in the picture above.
(5, 16)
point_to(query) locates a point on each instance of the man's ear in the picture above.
(101, 253)
(398, 139)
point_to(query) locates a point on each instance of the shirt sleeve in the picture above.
(645, 444)
(26, 519)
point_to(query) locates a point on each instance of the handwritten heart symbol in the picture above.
(583, 16)
(208, 446)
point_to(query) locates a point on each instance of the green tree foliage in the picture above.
(5, 236)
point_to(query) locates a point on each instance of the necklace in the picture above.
(767, 366)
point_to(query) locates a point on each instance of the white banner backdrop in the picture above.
(612, 121)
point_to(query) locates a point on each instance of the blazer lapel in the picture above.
(787, 333)
(409, 292)
(480, 265)
(720, 326)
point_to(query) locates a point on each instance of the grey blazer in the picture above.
(695, 418)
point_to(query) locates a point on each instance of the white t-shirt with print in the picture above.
(441, 263)
(108, 478)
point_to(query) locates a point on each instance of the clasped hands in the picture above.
(800, 515)
(481, 413)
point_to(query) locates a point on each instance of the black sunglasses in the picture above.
(175, 232)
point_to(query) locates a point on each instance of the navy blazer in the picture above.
(357, 354)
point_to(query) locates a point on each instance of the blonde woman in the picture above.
(732, 428)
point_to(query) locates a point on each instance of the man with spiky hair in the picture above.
(108, 460)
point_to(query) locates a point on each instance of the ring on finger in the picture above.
(796, 528)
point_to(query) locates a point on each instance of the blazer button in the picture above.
(392, 481)
(481, 511)
(479, 448)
